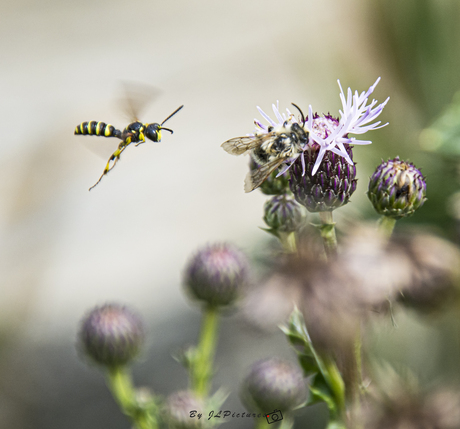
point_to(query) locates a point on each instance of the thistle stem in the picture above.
(261, 423)
(120, 384)
(288, 241)
(203, 367)
(386, 225)
(327, 229)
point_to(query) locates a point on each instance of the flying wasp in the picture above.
(281, 144)
(136, 132)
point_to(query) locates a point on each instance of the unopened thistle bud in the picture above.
(397, 189)
(111, 335)
(217, 275)
(272, 185)
(330, 187)
(182, 409)
(283, 214)
(274, 384)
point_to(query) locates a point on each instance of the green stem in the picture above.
(261, 423)
(287, 422)
(203, 367)
(121, 386)
(288, 241)
(327, 229)
(359, 362)
(386, 225)
(336, 384)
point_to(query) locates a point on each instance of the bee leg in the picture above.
(302, 159)
(114, 157)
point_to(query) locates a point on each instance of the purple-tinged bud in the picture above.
(111, 335)
(184, 411)
(217, 275)
(335, 180)
(272, 185)
(273, 384)
(283, 214)
(397, 189)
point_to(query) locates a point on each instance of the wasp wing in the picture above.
(240, 145)
(136, 98)
(256, 177)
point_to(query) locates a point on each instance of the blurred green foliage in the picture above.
(418, 45)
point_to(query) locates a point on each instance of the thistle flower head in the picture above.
(217, 274)
(177, 409)
(397, 189)
(399, 402)
(435, 271)
(273, 384)
(283, 214)
(329, 134)
(332, 185)
(111, 335)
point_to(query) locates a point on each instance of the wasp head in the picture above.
(153, 132)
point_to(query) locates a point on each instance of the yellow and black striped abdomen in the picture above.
(97, 129)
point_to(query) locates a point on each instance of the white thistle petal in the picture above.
(277, 113)
(266, 117)
(357, 116)
(319, 158)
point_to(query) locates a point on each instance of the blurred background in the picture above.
(65, 250)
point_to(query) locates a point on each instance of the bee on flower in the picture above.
(314, 144)
(270, 146)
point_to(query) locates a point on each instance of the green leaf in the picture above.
(320, 392)
(308, 364)
(186, 357)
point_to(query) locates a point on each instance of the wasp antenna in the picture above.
(301, 113)
(167, 129)
(172, 114)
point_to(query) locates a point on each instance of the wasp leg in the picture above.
(142, 140)
(114, 157)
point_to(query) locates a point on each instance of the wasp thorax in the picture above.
(152, 132)
(134, 127)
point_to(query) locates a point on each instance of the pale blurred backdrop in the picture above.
(65, 250)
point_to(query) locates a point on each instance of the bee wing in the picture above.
(256, 177)
(240, 145)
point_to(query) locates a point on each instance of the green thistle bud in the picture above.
(181, 411)
(217, 275)
(272, 185)
(397, 189)
(273, 384)
(283, 214)
(111, 335)
(334, 180)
